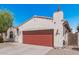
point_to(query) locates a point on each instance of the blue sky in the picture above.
(23, 12)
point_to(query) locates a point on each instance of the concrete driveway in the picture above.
(27, 49)
(22, 49)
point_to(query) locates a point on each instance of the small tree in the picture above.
(78, 28)
(6, 21)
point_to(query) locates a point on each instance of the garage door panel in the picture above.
(45, 39)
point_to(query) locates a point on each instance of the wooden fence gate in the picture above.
(73, 39)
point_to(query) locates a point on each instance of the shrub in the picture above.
(1, 39)
(78, 28)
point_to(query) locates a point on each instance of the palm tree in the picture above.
(6, 21)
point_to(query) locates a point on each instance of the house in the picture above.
(41, 30)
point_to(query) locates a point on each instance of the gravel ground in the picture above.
(65, 51)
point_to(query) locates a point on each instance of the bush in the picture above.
(1, 39)
(78, 28)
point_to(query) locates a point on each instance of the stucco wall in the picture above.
(65, 35)
(37, 24)
(58, 38)
(14, 34)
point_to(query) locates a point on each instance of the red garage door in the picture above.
(40, 37)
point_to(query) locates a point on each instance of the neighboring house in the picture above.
(40, 30)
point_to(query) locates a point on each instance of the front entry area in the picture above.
(11, 36)
(39, 37)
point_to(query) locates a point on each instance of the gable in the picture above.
(37, 23)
